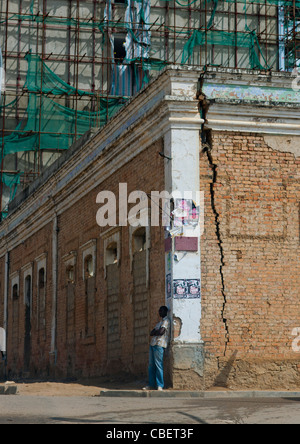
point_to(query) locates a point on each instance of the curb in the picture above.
(8, 389)
(197, 394)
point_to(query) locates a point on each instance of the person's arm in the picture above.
(159, 332)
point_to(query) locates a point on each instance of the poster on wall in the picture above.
(186, 213)
(187, 289)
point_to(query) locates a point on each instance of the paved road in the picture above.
(97, 410)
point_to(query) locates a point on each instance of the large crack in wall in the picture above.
(207, 148)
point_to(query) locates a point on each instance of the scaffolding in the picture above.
(71, 65)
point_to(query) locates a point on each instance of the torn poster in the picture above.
(186, 213)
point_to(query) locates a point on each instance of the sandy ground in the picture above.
(56, 389)
(76, 388)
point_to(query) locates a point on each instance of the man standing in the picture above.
(159, 342)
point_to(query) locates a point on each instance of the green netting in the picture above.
(49, 124)
(40, 78)
(11, 105)
(11, 180)
(229, 39)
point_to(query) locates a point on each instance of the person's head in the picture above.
(163, 311)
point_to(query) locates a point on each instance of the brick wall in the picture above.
(250, 263)
(20, 257)
(82, 350)
(250, 275)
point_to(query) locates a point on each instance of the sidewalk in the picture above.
(218, 394)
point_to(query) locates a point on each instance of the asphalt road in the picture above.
(113, 411)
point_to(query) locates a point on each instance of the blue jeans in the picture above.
(156, 366)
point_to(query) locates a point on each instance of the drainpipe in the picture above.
(53, 351)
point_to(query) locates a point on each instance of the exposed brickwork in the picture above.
(23, 255)
(141, 306)
(250, 263)
(80, 353)
(250, 276)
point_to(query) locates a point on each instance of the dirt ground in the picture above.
(74, 388)
(56, 389)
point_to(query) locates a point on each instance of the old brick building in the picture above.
(80, 300)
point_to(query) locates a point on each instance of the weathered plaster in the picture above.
(286, 144)
(182, 175)
(249, 93)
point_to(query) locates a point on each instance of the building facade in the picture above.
(79, 300)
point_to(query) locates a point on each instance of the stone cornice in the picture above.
(253, 118)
